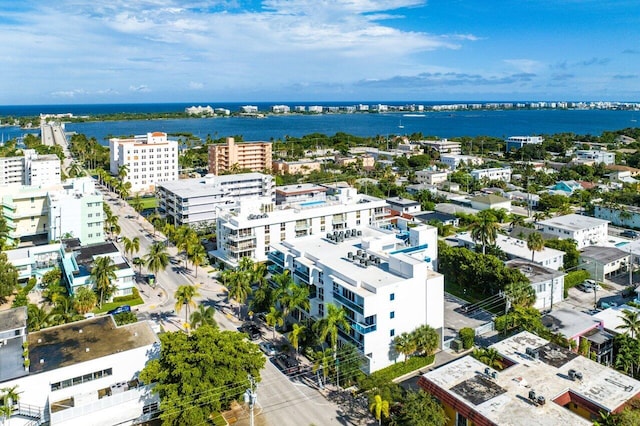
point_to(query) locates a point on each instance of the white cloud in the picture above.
(524, 65)
(142, 88)
(195, 85)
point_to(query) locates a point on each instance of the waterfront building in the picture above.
(386, 285)
(280, 109)
(253, 156)
(496, 173)
(249, 109)
(199, 110)
(584, 230)
(315, 109)
(81, 373)
(517, 142)
(516, 248)
(302, 167)
(541, 383)
(195, 202)
(30, 169)
(443, 146)
(251, 227)
(454, 161)
(149, 159)
(547, 283)
(301, 193)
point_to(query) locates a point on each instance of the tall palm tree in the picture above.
(184, 296)
(485, 229)
(75, 170)
(274, 318)
(630, 323)
(103, 273)
(294, 336)
(239, 288)
(335, 318)
(197, 256)
(157, 259)
(185, 239)
(425, 339)
(535, 243)
(38, 318)
(139, 262)
(323, 361)
(297, 299)
(203, 316)
(520, 294)
(137, 203)
(379, 407)
(517, 220)
(131, 245)
(404, 344)
(246, 264)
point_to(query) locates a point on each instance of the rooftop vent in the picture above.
(575, 375)
(532, 352)
(80, 331)
(86, 349)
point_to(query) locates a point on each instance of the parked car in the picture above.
(585, 288)
(286, 364)
(629, 234)
(251, 330)
(268, 348)
(120, 310)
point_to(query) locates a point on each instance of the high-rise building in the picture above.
(254, 156)
(30, 169)
(149, 160)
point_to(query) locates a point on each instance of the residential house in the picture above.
(491, 201)
(454, 161)
(547, 283)
(585, 230)
(604, 262)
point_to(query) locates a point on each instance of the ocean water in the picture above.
(496, 123)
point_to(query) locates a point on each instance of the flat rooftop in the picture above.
(612, 317)
(13, 319)
(85, 340)
(573, 222)
(504, 399)
(536, 273)
(569, 322)
(302, 188)
(405, 202)
(604, 255)
(205, 186)
(515, 247)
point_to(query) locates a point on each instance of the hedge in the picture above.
(574, 278)
(133, 296)
(467, 335)
(398, 369)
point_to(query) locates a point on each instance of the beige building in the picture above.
(368, 161)
(254, 156)
(26, 209)
(296, 167)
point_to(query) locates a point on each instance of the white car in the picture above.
(268, 348)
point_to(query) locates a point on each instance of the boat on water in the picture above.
(414, 115)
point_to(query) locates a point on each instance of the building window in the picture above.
(81, 379)
(461, 420)
(392, 314)
(392, 332)
(392, 297)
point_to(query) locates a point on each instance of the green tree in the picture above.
(103, 274)
(630, 323)
(520, 294)
(274, 318)
(334, 319)
(8, 278)
(571, 253)
(38, 318)
(490, 357)
(426, 339)
(197, 256)
(420, 409)
(239, 288)
(204, 315)
(294, 336)
(297, 299)
(185, 295)
(380, 408)
(125, 318)
(535, 243)
(131, 246)
(485, 229)
(404, 344)
(157, 259)
(85, 300)
(201, 373)
(136, 203)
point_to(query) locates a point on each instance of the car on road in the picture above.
(120, 310)
(629, 234)
(268, 348)
(585, 288)
(251, 330)
(286, 363)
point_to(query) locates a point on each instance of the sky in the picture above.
(139, 51)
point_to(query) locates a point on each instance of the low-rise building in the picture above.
(496, 173)
(443, 146)
(385, 284)
(490, 201)
(584, 230)
(597, 156)
(432, 177)
(517, 142)
(301, 193)
(195, 202)
(253, 156)
(250, 228)
(515, 248)
(454, 161)
(444, 218)
(547, 283)
(542, 384)
(34, 261)
(303, 167)
(624, 215)
(401, 206)
(604, 262)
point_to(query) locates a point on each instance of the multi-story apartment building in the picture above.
(496, 173)
(250, 228)
(547, 283)
(596, 156)
(254, 156)
(49, 213)
(454, 161)
(517, 142)
(196, 202)
(540, 383)
(431, 177)
(584, 230)
(443, 146)
(300, 193)
(30, 169)
(303, 167)
(149, 159)
(385, 284)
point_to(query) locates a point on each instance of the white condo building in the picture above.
(385, 284)
(454, 161)
(250, 228)
(585, 230)
(196, 202)
(150, 159)
(496, 173)
(30, 169)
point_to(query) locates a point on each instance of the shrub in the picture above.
(125, 318)
(133, 296)
(393, 371)
(574, 278)
(467, 335)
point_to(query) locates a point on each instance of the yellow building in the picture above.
(254, 156)
(296, 167)
(26, 210)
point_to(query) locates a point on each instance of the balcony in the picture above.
(302, 275)
(275, 269)
(240, 237)
(348, 303)
(363, 328)
(276, 257)
(242, 247)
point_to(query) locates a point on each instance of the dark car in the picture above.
(287, 364)
(120, 310)
(629, 234)
(251, 330)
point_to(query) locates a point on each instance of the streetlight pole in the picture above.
(251, 397)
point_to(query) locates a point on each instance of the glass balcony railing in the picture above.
(303, 275)
(363, 328)
(276, 257)
(275, 269)
(348, 303)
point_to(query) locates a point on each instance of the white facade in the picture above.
(497, 173)
(34, 261)
(431, 177)
(547, 283)
(196, 202)
(585, 230)
(443, 146)
(385, 286)
(454, 161)
(30, 169)
(250, 228)
(598, 156)
(517, 142)
(75, 369)
(515, 248)
(150, 159)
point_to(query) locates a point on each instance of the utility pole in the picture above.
(251, 397)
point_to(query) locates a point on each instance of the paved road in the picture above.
(281, 401)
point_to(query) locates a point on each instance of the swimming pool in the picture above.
(622, 244)
(312, 203)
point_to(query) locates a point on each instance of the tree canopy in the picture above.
(8, 277)
(201, 373)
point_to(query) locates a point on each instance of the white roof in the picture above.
(612, 317)
(515, 247)
(208, 185)
(574, 222)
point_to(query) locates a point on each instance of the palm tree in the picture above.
(123, 170)
(294, 336)
(296, 299)
(103, 273)
(490, 357)
(137, 203)
(485, 229)
(85, 300)
(38, 318)
(425, 339)
(379, 408)
(517, 220)
(520, 294)
(535, 243)
(274, 318)
(9, 398)
(157, 258)
(246, 264)
(131, 245)
(184, 296)
(197, 256)
(323, 361)
(630, 323)
(203, 316)
(239, 288)
(139, 262)
(334, 319)
(404, 344)
(75, 170)
(185, 239)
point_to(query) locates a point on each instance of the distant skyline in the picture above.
(137, 51)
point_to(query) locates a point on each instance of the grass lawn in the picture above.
(147, 202)
(109, 306)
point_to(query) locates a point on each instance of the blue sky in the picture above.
(77, 51)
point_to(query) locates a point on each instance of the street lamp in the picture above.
(251, 397)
